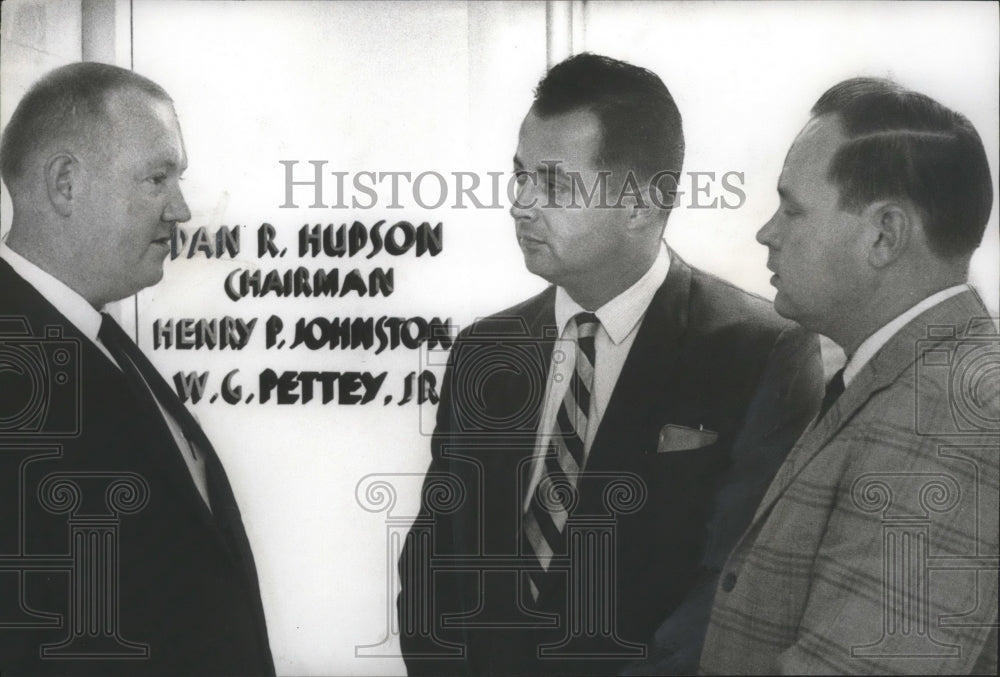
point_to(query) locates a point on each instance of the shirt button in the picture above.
(729, 582)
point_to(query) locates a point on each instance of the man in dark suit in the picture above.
(875, 549)
(598, 447)
(122, 549)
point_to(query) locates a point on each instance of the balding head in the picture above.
(68, 104)
(92, 158)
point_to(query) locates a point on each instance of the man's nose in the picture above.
(768, 233)
(177, 209)
(525, 202)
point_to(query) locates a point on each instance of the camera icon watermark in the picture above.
(498, 377)
(960, 366)
(39, 381)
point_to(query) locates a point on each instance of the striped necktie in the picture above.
(544, 523)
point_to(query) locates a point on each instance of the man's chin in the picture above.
(783, 307)
(153, 276)
(537, 265)
(126, 288)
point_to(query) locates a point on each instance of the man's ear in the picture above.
(892, 225)
(642, 210)
(61, 172)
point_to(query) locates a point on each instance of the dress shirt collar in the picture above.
(871, 345)
(620, 315)
(74, 307)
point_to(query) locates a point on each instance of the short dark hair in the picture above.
(67, 97)
(641, 127)
(905, 145)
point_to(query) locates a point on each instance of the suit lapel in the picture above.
(499, 375)
(640, 391)
(157, 443)
(529, 380)
(224, 516)
(899, 354)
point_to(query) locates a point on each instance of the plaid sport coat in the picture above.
(874, 549)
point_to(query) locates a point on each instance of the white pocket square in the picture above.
(681, 438)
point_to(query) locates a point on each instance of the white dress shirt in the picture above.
(871, 345)
(87, 320)
(619, 323)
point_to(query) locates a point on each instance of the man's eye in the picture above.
(523, 177)
(158, 179)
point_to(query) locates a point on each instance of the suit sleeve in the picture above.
(425, 595)
(905, 577)
(785, 399)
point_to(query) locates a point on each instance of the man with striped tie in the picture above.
(122, 545)
(598, 447)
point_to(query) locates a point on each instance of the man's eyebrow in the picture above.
(543, 168)
(168, 163)
(546, 169)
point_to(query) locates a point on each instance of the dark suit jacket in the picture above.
(874, 551)
(78, 453)
(707, 355)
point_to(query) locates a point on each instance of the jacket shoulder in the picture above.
(719, 303)
(17, 293)
(523, 319)
(24, 308)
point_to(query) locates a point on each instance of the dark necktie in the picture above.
(143, 377)
(833, 390)
(545, 521)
